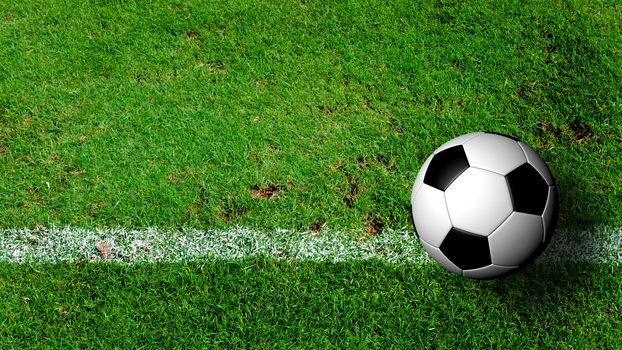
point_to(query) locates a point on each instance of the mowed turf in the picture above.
(264, 304)
(294, 114)
(298, 115)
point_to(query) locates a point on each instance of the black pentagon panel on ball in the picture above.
(445, 167)
(528, 190)
(466, 250)
(549, 229)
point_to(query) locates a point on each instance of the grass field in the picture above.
(310, 118)
(259, 304)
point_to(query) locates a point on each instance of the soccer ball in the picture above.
(484, 205)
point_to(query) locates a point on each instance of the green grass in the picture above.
(297, 115)
(261, 304)
(139, 114)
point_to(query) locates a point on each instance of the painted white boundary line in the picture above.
(70, 244)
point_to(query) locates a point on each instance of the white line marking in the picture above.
(130, 246)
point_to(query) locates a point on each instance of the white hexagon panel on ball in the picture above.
(490, 271)
(430, 215)
(478, 201)
(516, 239)
(494, 153)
